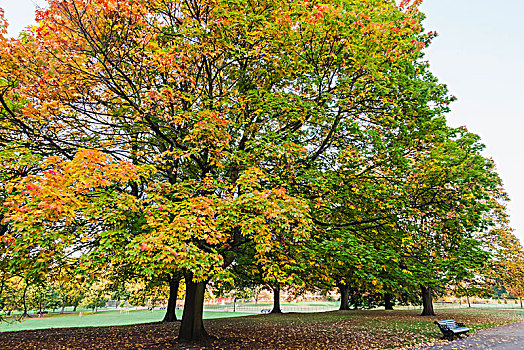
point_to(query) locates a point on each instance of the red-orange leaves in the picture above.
(66, 187)
(3, 24)
(8, 239)
(319, 12)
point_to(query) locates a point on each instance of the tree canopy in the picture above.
(199, 137)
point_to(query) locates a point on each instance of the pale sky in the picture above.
(479, 54)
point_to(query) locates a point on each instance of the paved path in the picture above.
(507, 337)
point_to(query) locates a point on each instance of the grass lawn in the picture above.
(317, 306)
(101, 319)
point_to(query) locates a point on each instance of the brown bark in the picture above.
(276, 300)
(388, 301)
(174, 283)
(344, 297)
(427, 301)
(192, 326)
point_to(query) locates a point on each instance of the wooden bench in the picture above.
(451, 328)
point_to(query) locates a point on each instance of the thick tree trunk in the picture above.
(74, 308)
(520, 298)
(276, 300)
(427, 301)
(63, 306)
(344, 297)
(192, 327)
(388, 301)
(467, 297)
(174, 283)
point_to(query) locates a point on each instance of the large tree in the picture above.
(173, 134)
(456, 194)
(223, 99)
(508, 266)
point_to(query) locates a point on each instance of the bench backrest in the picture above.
(450, 324)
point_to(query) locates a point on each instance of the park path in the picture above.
(507, 337)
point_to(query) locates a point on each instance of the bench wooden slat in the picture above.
(451, 328)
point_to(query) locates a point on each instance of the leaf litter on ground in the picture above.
(355, 329)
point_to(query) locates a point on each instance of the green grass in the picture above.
(368, 319)
(302, 303)
(116, 318)
(315, 306)
(101, 319)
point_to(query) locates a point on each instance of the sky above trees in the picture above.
(477, 54)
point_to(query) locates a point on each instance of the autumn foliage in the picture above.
(170, 138)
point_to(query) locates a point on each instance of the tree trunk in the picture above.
(276, 300)
(24, 299)
(344, 297)
(174, 283)
(520, 298)
(74, 308)
(40, 304)
(63, 306)
(192, 326)
(467, 298)
(427, 301)
(388, 301)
